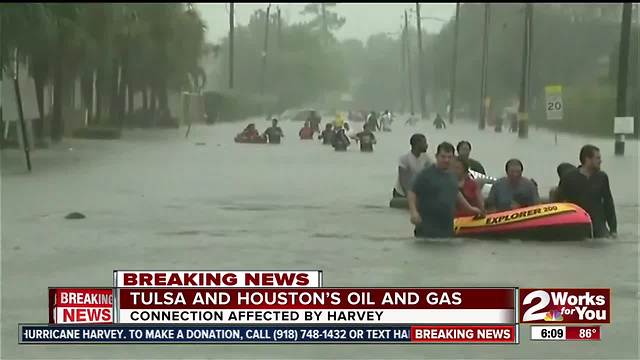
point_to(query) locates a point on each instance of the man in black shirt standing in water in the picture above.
(588, 187)
(274, 133)
(434, 196)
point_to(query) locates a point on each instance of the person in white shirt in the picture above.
(351, 134)
(411, 164)
(386, 121)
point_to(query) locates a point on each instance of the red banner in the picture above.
(583, 333)
(323, 298)
(464, 334)
(80, 306)
(565, 305)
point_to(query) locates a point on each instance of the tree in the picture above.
(300, 71)
(567, 49)
(118, 49)
(324, 20)
(380, 87)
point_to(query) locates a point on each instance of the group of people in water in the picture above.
(439, 191)
(451, 186)
(338, 133)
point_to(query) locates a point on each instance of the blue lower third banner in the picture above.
(205, 334)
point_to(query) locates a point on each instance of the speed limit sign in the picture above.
(553, 103)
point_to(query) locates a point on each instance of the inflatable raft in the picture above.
(243, 140)
(557, 221)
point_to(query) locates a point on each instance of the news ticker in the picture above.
(273, 303)
(140, 334)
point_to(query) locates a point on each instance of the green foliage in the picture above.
(574, 45)
(332, 20)
(300, 67)
(152, 45)
(589, 110)
(566, 50)
(380, 87)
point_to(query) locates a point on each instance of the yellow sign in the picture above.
(514, 216)
(553, 89)
(554, 106)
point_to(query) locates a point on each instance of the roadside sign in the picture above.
(554, 104)
(623, 125)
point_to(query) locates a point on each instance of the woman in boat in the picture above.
(469, 188)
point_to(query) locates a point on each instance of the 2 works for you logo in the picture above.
(565, 305)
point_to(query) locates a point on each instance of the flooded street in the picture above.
(155, 200)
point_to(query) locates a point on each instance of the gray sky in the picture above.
(363, 20)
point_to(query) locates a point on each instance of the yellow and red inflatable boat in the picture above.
(554, 221)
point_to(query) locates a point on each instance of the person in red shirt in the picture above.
(306, 133)
(468, 187)
(249, 135)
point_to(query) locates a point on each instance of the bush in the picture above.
(233, 107)
(588, 110)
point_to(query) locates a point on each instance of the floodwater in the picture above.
(156, 200)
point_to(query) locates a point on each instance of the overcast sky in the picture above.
(363, 20)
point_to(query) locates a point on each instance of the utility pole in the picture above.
(325, 30)
(279, 29)
(485, 65)
(623, 72)
(523, 115)
(423, 107)
(408, 57)
(265, 49)
(403, 67)
(1, 71)
(23, 127)
(454, 66)
(530, 58)
(231, 30)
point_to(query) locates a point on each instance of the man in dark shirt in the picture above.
(366, 139)
(327, 135)
(464, 151)
(588, 187)
(433, 198)
(274, 133)
(340, 141)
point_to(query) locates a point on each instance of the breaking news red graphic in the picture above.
(214, 279)
(464, 334)
(319, 305)
(583, 333)
(565, 306)
(80, 305)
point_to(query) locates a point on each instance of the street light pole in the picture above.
(325, 30)
(523, 115)
(231, 30)
(279, 29)
(421, 90)
(623, 72)
(485, 65)
(265, 50)
(454, 65)
(408, 57)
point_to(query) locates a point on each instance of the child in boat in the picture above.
(250, 133)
